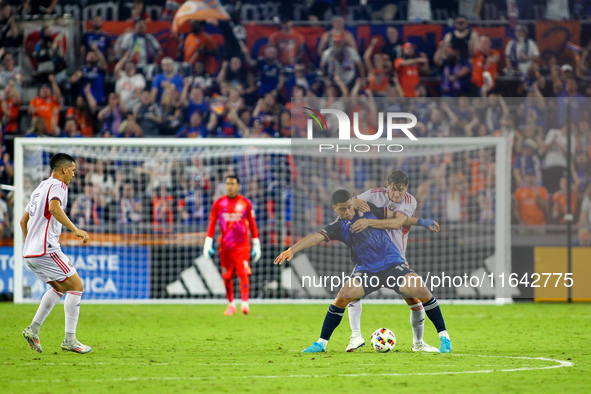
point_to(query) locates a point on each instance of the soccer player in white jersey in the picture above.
(42, 225)
(396, 199)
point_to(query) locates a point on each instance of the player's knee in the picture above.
(58, 287)
(342, 302)
(75, 284)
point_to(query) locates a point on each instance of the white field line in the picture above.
(559, 364)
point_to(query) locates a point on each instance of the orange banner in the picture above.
(558, 38)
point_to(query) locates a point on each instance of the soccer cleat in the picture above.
(355, 342)
(33, 340)
(445, 346)
(245, 309)
(424, 347)
(75, 347)
(230, 310)
(316, 347)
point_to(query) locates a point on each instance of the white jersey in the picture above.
(379, 197)
(43, 229)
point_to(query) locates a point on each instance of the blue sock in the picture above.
(331, 321)
(434, 314)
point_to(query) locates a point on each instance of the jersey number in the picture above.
(33, 205)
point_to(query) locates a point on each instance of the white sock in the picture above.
(355, 308)
(72, 311)
(50, 298)
(444, 334)
(245, 303)
(417, 322)
(323, 341)
(233, 303)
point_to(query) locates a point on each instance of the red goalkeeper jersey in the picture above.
(235, 216)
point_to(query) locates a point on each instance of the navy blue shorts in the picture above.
(388, 278)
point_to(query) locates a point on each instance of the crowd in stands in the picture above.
(128, 89)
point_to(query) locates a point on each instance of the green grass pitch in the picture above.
(194, 348)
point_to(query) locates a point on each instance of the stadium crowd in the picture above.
(128, 89)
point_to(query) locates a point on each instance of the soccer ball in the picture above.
(383, 340)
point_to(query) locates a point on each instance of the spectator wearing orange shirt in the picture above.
(378, 71)
(46, 105)
(10, 107)
(559, 200)
(84, 112)
(289, 43)
(408, 68)
(531, 202)
(198, 45)
(485, 60)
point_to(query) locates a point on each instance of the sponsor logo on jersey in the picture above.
(231, 216)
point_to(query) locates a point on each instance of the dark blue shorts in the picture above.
(388, 278)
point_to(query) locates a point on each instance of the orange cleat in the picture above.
(230, 310)
(245, 309)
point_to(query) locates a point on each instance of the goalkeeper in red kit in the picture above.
(236, 216)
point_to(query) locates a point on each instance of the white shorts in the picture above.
(51, 267)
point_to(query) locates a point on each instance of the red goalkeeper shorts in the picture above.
(235, 262)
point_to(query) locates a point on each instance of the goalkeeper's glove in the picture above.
(208, 250)
(255, 253)
(425, 222)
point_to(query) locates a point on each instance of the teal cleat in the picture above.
(316, 347)
(445, 346)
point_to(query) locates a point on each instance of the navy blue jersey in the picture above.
(268, 76)
(101, 39)
(372, 250)
(96, 78)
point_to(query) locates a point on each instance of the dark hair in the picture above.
(233, 176)
(340, 196)
(59, 160)
(398, 177)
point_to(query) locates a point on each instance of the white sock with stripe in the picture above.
(72, 311)
(417, 322)
(50, 298)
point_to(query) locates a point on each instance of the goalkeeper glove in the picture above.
(208, 250)
(255, 254)
(425, 223)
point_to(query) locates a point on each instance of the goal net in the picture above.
(146, 205)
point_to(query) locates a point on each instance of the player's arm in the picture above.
(55, 208)
(360, 205)
(387, 220)
(256, 243)
(429, 224)
(208, 243)
(24, 222)
(305, 243)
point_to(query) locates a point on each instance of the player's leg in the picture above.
(434, 314)
(356, 341)
(228, 271)
(74, 288)
(351, 291)
(417, 322)
(48, 301)
(414, 286)
(243, 271)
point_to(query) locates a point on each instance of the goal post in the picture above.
(146, 246)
